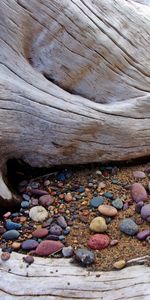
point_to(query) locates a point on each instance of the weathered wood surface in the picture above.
(56, 279)
(96, 49)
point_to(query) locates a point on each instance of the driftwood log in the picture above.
(74, 82)
(74, 88)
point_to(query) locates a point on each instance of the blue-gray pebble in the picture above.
(117, 203)
(129, 227)
(96, 202)
(12, 225)
(85, 257)
(11, 235)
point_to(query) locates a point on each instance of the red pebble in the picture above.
(40, 233)
(98, 241)
(46, 248)
(138, 192)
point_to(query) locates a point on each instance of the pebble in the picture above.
(38, 192)
(67, 251)
(46, 200)
(139, 206)
(129, 227)
(7, 215)
(149, 186)
(85, 257)
(98, 241)
(52, 237)
(46, 183)
(138, 192)
(26, 197)
(38, 213)
(35, 202)
(142, 235)
(68, 197)
(139, 174)
(120, 264)
(101, 186)
(28, 259)
(147, 170)
(145, 212)
(47, 247)
(16, 245)
(5, 256)
(125, 206)
(55, 229)
(12, 225)
(11, 235)
(25, 204)
(107, 210)
(117, 203)
(40, 233)
(81, 189)
(98, 224)
(108, 195)
(29, 244)
(61, 222)
(96, 201)
(113, 242)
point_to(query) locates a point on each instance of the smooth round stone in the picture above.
(117, 203)
(46, 183)
(145, 212)
(139, 206)
(48, 222)
(46, 200)
(55, 229)
(138, 192)
(11, 235)
(52, 237)
(66, 231)
(26, 197)
(81, 189)
(25, 204)
(125, 206)
(28, 259)
(147, 170)
(113, 242)
(38, 192)
(61, 237)
(142, 235)
(108, 195)
(139, 174)
(34, 202)
(96, 201)
(61, 222)
(120, 264)
(68, 197)
(16, 246)
(29, 244)
(7, 215)
(40, 233)
(98, 224)
(67, 251)
(98, 241)
(46, 248)
(38, 213)
(129, 227)
(5, 256)
(85, 257)
(107, 210)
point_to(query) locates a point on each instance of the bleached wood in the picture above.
(97, 49)
(58, 279)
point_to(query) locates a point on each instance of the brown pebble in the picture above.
(5, 256)
(16, 246)
(107, 210)
(68, 197)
